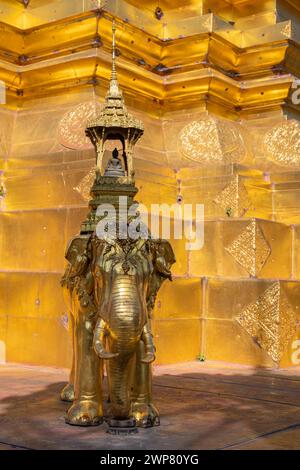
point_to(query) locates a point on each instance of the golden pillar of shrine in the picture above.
(215, 83)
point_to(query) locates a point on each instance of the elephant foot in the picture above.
(84, 413)
(67, 393)
(148, 358)
(146, 415)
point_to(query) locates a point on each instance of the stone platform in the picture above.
(202, 406)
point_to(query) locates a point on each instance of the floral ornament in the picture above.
(282, 144)
(212, 141)
(71, 129)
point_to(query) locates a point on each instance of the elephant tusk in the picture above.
(148, 358)
(102, 353)
(99, 335)
(147, 338)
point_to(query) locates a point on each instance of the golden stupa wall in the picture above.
(237, 299)
(199, 314)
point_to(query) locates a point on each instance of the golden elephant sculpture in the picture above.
(110, 287)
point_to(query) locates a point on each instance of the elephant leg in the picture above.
(87, 407)
(142, 409)
(67, 393)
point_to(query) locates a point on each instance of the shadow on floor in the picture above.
(199, 410)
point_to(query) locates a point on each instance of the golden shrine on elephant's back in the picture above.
(214, 83)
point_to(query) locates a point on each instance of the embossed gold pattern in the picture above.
(212, 141)
(234, 198)
(271, 321)
(71, 129)
(286, 29)
(250, 249)
(282, 144)
(84, 187)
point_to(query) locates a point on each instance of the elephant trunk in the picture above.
(119, 377)
(127, 319)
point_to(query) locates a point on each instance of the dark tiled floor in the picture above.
(202, 406)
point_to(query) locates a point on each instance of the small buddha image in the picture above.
(114, 167)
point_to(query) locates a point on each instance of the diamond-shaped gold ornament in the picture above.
(234, 198)
(250, 249)
(271, 321)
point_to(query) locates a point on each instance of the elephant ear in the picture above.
(77, 249)
(163, 259)
(77, 246)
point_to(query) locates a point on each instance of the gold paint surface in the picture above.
(26, 339)
(226, 341)
(181, 299)
(38, 250)
(185, 345)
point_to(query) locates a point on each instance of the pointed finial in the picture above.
(114, 86)
(113, 70)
